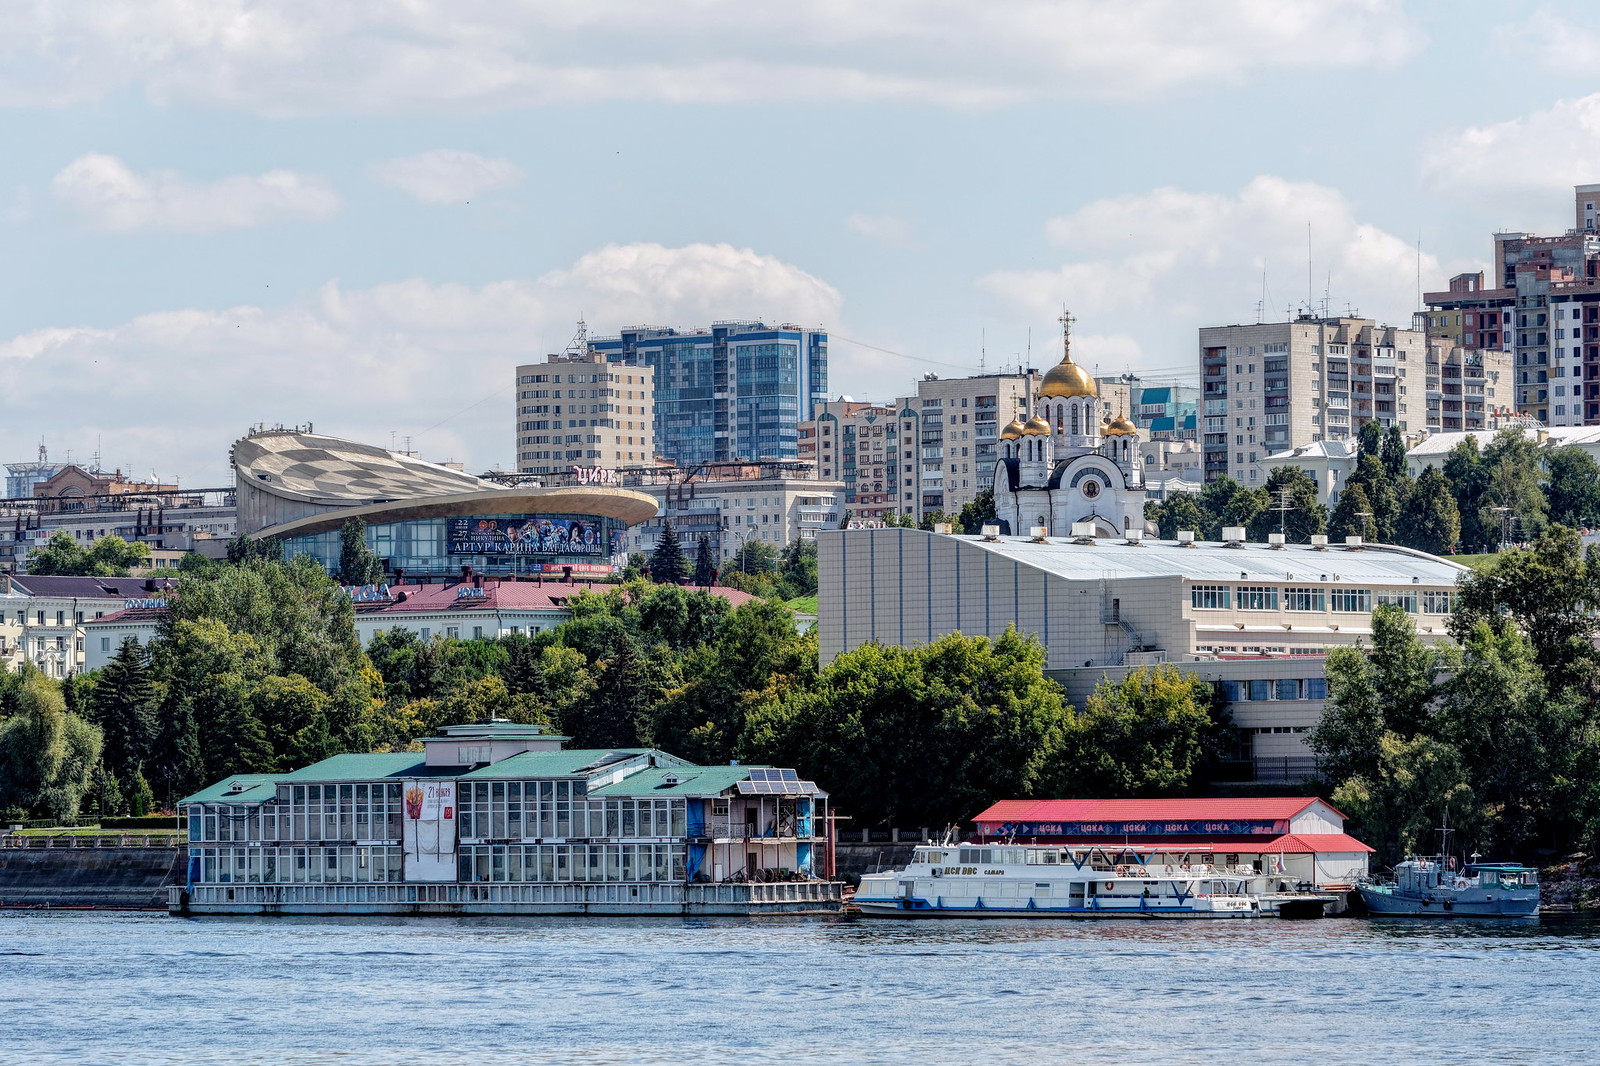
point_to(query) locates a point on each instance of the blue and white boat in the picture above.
(1431, 888)
(1052, 881)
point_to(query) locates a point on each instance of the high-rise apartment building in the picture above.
(1276, 385)
(730, 391)
(578, 409)
(958, 427)
(1544, 309)
(863, 446)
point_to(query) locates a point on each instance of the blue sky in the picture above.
(363, 215)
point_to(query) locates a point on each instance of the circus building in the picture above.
(422, 519)
(1074, 464)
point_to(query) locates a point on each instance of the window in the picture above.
(1288, 688)
(1405, 600)
(1209, 597)
(1303, 599)
(1437, 602)
(105, 644)
(1352, 601)
(1258, 598)
(1260, 690)
(1316, 688)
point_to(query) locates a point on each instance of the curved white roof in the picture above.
(318, 469)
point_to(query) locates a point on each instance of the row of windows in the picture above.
(304, 812)
(502, 810)
(571, 862)
(1342, 600)
(284, 866)
(1282, 688)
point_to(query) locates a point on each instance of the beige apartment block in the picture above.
(1275, 386)
(577, 410)
(957, 436)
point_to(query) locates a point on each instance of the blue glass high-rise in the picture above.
(729, 391)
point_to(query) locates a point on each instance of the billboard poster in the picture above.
(527, 536)
(431, 800)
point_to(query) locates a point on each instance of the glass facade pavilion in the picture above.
(426, 546)
(497, 818)
(735, 390)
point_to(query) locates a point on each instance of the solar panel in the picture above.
(772, 781)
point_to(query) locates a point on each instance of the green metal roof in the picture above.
(692, 781)
(572, 763)
(364, 767)
(257, 788)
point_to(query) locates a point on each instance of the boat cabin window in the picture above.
(973, 856)
(934, 855)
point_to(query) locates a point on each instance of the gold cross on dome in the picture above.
(1066, 321)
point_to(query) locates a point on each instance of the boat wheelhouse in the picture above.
(499, 818)
(1434, 888)
(1052, 881)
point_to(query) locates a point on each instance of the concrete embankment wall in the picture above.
(860, 859)
(89, 877)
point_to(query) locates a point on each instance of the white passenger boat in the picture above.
(1052, 881)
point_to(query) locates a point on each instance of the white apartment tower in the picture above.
(577, 409)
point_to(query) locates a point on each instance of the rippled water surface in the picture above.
(135, 988)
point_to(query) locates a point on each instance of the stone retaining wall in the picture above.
(114, 878)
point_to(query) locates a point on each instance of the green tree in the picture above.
(1216, 499)
(1430, 520)
(754, 557)
(1152, 733)
(667, 562)
(1393, 454)
(705, 563)
(1389, 687)
(931, 519)
(798, 565)
(247, 549)
(1384, 496)
(357, 563)
(1572, 487)
(1469, 481)
(1414, 784)
(124, 707)
(1551, 590)
(1513, 502)
(1177, 512)
(106, 557)
(1519, 745)
(48, 757)
(612, 715)
(1292, 507)
(918, 736)
(976, 514)
(1352, 515)
(1369, 439)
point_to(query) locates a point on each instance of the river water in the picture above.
(106, 987)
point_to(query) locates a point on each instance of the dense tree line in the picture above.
(1506, 492)
(258, 669)
(1499, 732)
(106, 557)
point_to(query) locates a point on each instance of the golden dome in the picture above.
(1035, 425)
(1067, 378)
(1012, 431)
(1121, 426)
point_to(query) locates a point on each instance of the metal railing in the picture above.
(93, 840)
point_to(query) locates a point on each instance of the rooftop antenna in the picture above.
(1311, 285)
(1261, 304)
(1326, 302)
(580, 340)
(1419, 269)
(44, 453)
(983, 348)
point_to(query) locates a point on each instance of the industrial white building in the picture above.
(1255, 618)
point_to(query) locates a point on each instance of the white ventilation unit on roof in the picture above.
(1352, 543)
(1319, 541)
(943, 527)
(1185, 538)
(1134, 536)
(1276, 540)
(991, 532)
(1233, 536)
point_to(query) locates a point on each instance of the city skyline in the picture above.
(367, 220)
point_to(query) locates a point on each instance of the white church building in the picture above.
(1074, 461)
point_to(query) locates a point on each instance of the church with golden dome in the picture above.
(1072, 461)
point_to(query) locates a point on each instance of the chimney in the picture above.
(477, 581)
(400, 576)
(466, 573)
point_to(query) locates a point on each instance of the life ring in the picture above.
(1169, 868)
(1110, 885)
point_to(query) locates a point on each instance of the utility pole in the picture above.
(1284, 507)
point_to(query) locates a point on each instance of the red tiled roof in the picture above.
(1263, 844)
(1137, 810)
(129, 614)
(1316, 843)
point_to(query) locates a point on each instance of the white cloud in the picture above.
(1156, 266)
(1558, 43)
(1542, 152)
(447, 176)
(107, 195)
(397, 357)
(298, 56)
(887, 229)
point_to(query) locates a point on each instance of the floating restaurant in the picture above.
(499, 818)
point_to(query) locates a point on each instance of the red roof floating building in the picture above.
(1301, 837)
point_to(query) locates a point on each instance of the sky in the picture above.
(364, 215)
